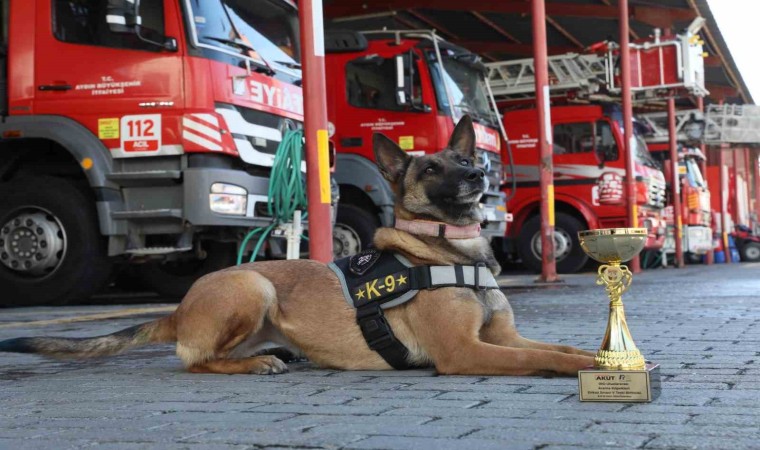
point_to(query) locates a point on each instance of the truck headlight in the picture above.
(228, 199)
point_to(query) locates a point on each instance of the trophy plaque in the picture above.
(620, 373)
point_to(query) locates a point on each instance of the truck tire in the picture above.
(354, 230)
(51, 249)
(750, 252)
(570, 256)
(174, 278)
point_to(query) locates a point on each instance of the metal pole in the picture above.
(755, 160)
(710, 259)
(630, 143)
(315, 130)
(545, 166)
(735, 173)
(724, 201)
(676, 184)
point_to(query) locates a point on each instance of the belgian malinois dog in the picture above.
(228, 316)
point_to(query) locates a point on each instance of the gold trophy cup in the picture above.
(620, 373)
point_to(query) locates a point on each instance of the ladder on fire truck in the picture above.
(677, 65)
(689, 125)
(719, 124)
(734, 124)
(572, 72)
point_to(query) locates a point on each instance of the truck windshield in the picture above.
(693, 174)
(642, 155)
(465, 83)
(265, 31)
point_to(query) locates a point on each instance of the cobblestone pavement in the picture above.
(701, 323)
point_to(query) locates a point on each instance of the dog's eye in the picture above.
(430, 170)
(465, 162)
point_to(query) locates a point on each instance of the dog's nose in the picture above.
(475, 175)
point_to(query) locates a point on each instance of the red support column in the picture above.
(755, 161)
(676, 184)
(630, 175)
(315, 130)
(748, 174)
(724, 201)
(545, 166)
(735, 188)
(710, 259)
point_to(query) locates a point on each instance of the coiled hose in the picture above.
(287, 190)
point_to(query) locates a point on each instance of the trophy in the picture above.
(620, 373)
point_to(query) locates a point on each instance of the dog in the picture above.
(228, 317)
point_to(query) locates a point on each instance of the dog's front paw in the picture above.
(268, 365)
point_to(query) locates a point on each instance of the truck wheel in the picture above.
(750, 252)
(174, 278)
(51, 249)
(354, 230)
(569, 255)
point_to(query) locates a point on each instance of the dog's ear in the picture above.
(391, 160)
(463, 138)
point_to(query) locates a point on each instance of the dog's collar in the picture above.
(440, 229)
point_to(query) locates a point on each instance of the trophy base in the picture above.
(600, 385)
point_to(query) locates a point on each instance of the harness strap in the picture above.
(430, 277)
(380, 338)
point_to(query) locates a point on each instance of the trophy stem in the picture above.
(618, 351)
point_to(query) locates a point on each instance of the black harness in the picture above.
(374, 280)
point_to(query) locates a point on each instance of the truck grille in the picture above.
(492, 167)
(656, 192)
(256, 126)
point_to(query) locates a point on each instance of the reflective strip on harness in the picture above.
(372, 281)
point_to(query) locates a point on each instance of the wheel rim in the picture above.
(346, 241)
(752, 252)
(563, 244)
(32, 242)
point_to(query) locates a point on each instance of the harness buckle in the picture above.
(478, 265)
(375, 328)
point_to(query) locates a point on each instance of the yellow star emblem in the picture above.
(401, 279)
(360, 294)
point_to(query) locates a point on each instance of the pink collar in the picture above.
(440, 229)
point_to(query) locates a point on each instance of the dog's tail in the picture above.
(158, 331)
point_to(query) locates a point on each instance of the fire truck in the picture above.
(589, 155)
(137, 132)
(692, 186)
(734, 129)
(412, 86)
(589, 173)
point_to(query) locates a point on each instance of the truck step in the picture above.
(148, 251)
(146, 178)
(148, 214)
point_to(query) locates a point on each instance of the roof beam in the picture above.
(721, 92)
(438, 27)
(633, 33)
(652, 15)
(495, 27)
(511, 48)
(564, 32)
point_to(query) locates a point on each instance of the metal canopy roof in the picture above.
(501, 29)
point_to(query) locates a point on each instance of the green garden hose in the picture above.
(287, 190)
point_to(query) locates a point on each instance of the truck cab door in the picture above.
(371, 104)
(586, 159)
(126, 91)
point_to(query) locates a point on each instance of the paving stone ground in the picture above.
(702, 324)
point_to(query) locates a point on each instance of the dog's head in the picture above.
(445, 186)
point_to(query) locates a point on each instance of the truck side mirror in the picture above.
(123, 16)
(401, 97)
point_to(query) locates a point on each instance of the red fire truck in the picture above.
(693, 190)
(412, 86)
(137, 131)
(589, 172)
(589, 155)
